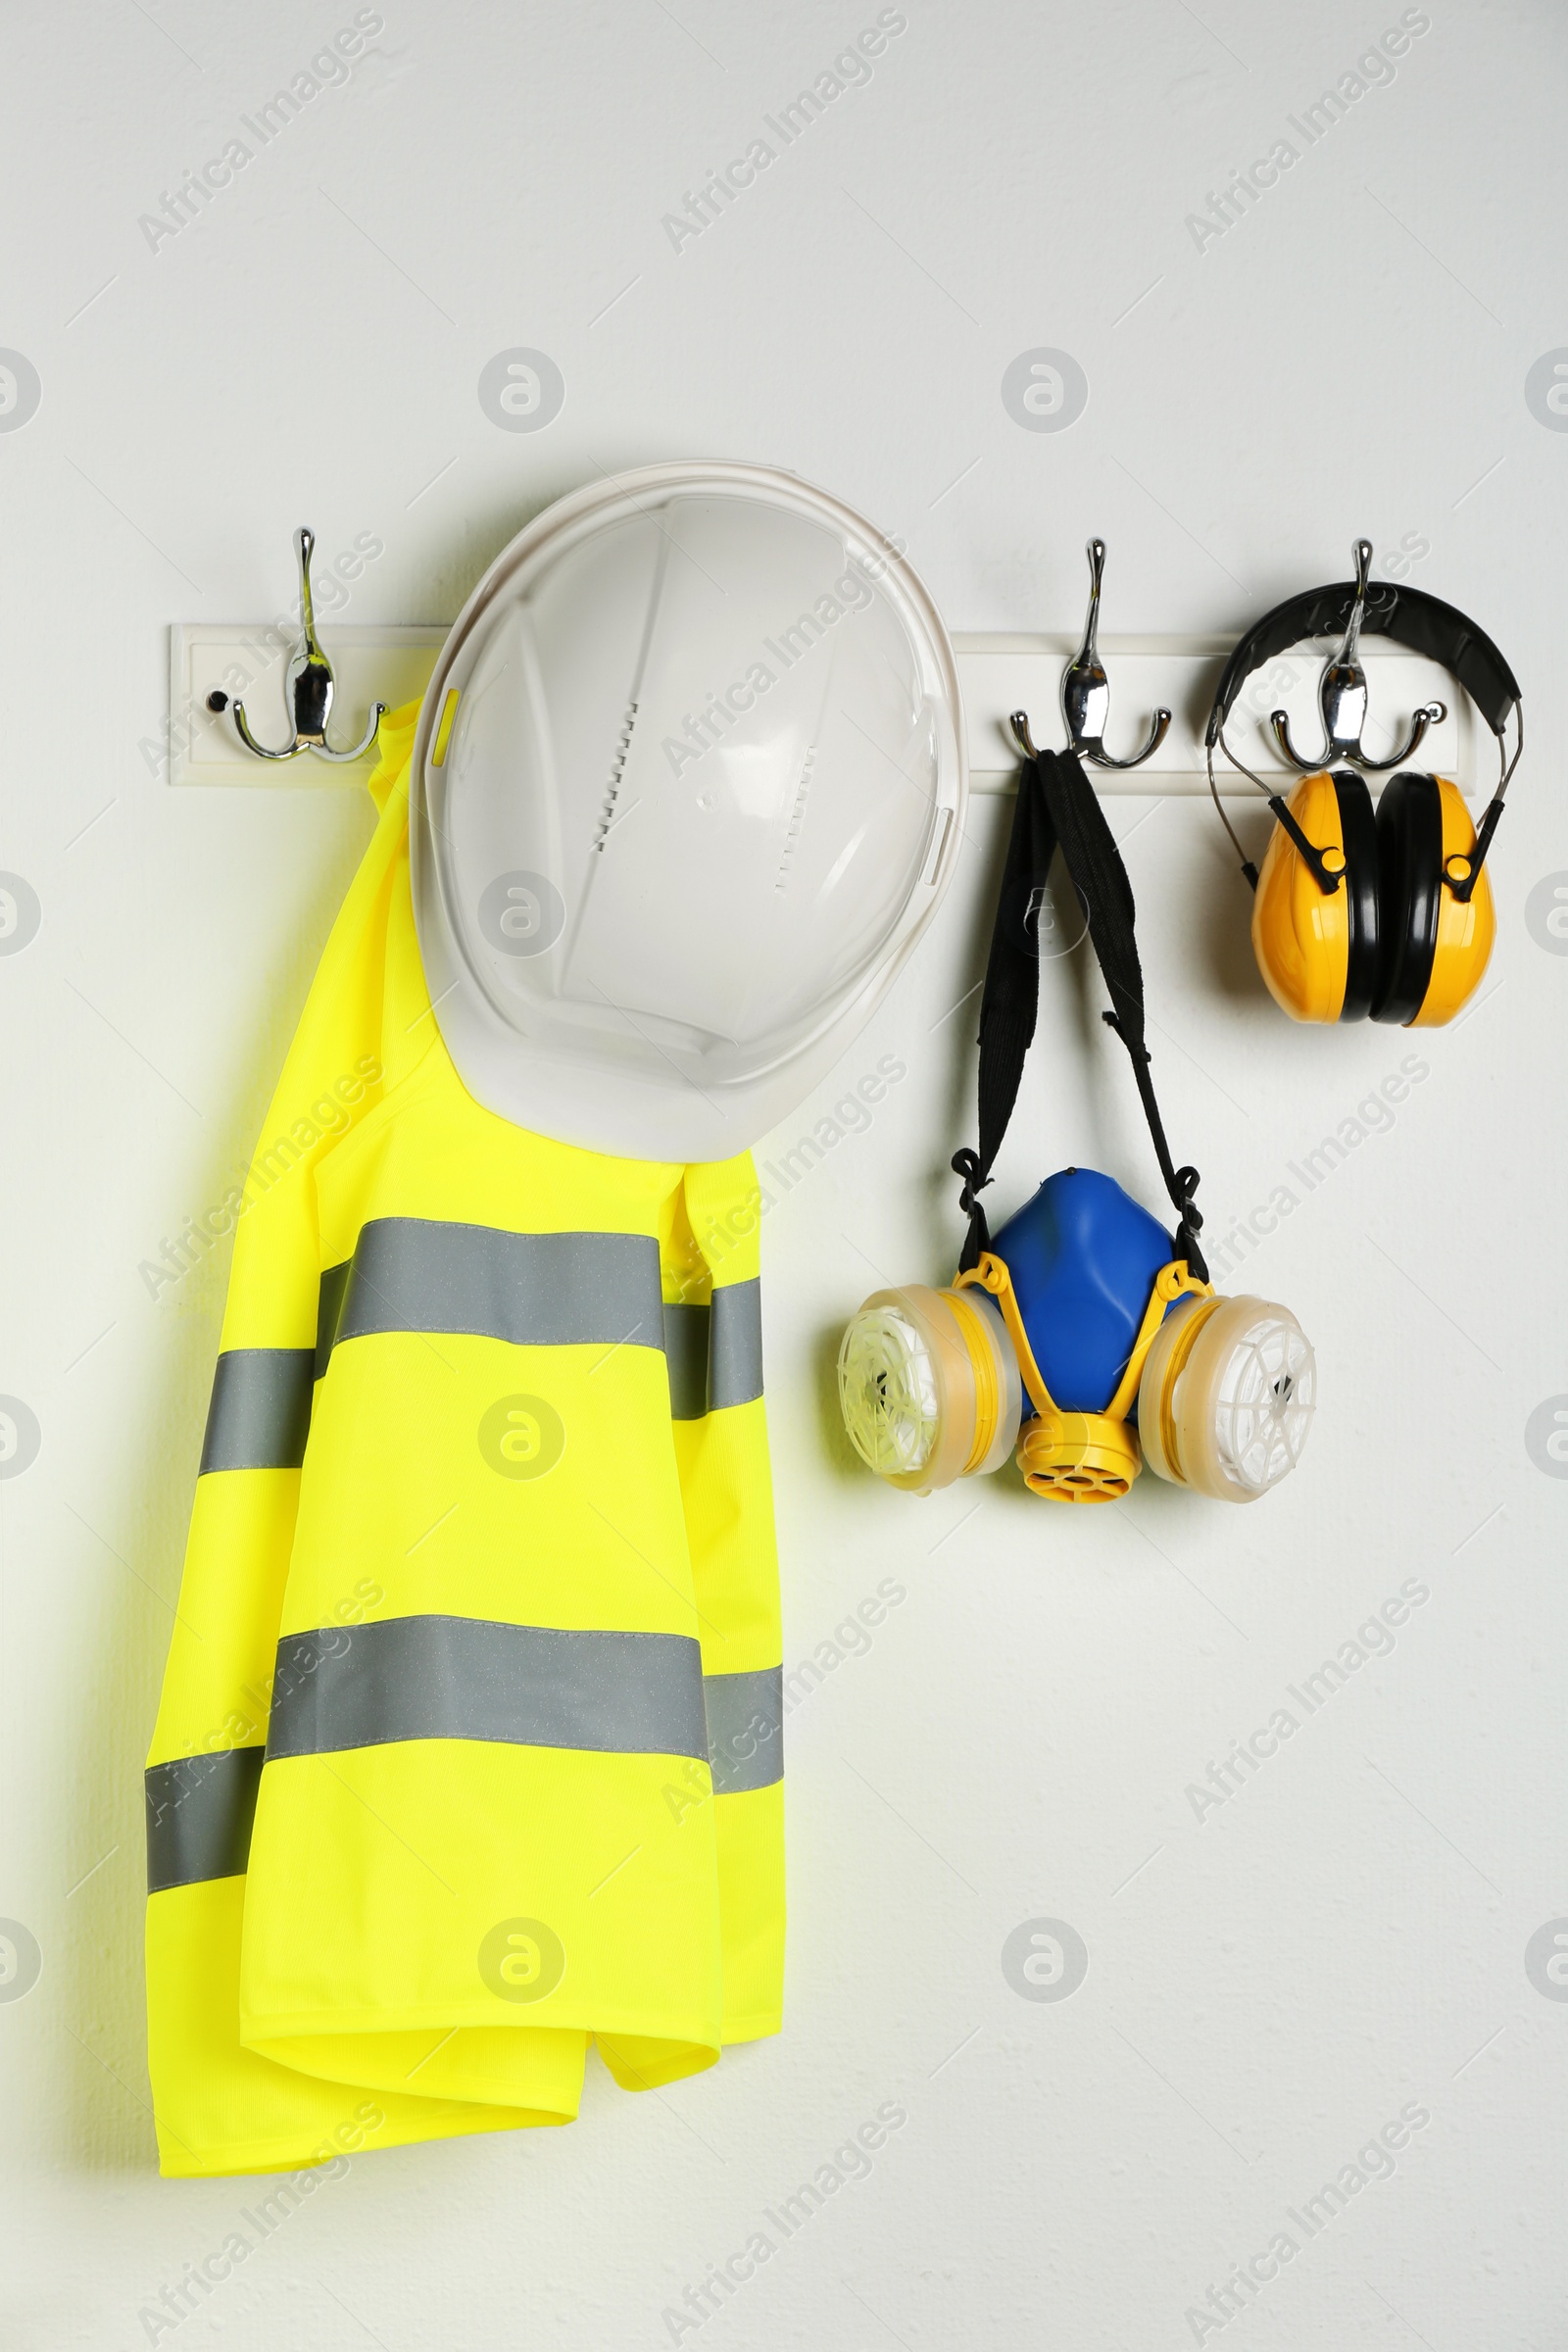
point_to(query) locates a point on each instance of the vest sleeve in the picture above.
(721, 1450)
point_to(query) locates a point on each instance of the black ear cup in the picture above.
(1358, 830)
(1409, 843)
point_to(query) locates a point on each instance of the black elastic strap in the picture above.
(1058, 806)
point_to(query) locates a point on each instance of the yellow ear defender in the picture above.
(1359, 913)
(1390, 940)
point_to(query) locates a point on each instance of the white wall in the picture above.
(1268, 1986)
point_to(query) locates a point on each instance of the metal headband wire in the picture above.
(1508, 765)
(1247, 866)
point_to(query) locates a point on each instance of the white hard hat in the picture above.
(688, 784)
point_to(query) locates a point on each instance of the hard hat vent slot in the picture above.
(797, 818)
(606, 815)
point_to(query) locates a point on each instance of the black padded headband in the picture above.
(1422, 623)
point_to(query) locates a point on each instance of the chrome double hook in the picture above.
(1342, 698)
(309, 684)
(1086, 691)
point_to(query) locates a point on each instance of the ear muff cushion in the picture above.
(1409, 824)
(1358, 831)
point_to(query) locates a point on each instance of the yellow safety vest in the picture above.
(468, 1750)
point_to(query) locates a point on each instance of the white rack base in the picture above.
(997, 674)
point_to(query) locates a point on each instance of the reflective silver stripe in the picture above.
(745, 1729)
(735, 1356)
(199, 1814)
(329, 1312)
(449, 1678)
(543, 1289)
(260, 1415)
(686, 1353)
(715, 1352)
(535, 1290)
(461, 1678)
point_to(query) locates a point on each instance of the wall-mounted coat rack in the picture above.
(235, 689)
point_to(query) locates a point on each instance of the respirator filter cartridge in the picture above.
(1226, 1398)
(929, 1385)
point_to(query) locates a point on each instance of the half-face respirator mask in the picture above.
(1083, 1335)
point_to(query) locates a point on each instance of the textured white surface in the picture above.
(1344, 1935)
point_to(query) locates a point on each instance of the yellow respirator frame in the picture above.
(1073, 1456)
